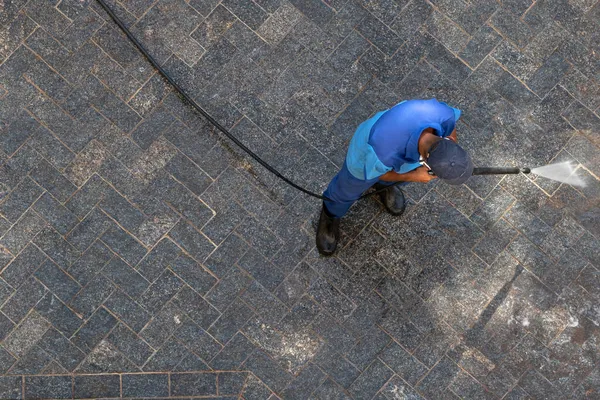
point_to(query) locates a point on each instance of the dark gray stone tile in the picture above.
(198, 340)
(197, 384)
(329, 390)
(123, 244)
(94, 330)
(161, 326)
(125, 277)
(261, 269)
(55, 213)
(371, 380)
(158, 259)
(57, 248)
(23, 196)
(106, 359)
(198, 309)
(379, 34)
(171, 354)
(128, 310)
(228, 288)
(130, 344)
(193, 241)
(17, 133)
(11, 387)
(145, 385)
(232, 319)
(234, 353)
(193, 274)
(28, 295)
(264, 303)
(481, 44)
(61, 349)
(405, 365)
(305, 383)
(92, 295)
(55, 387)
(160, 292)
(548, 75)
(63, 318)
(497, 238)
(439, 378)
(267, 370)
(23, 265)
(511, 26)
(59, 283)
(96, 386)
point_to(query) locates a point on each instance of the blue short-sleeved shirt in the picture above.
(390, 139)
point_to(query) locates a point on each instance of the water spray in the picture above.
(561, 172)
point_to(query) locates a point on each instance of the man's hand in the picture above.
(420, 175)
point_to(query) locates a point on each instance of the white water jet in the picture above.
(562, 172)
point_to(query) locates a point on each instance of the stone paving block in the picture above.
(232, 319)
(96, 386)
(545, 42)
(447, 63)
(128, 310)
(94, 330)
(548, 75)
(21, 233)
(57, 248)
(138, 385)
(269, 275)
(55, 213)
(193, 384)
(198, 340)
(518, 63)
(55, 183)
(18, 306)
(479, 46)
(447, 32)
(161, 291)
(125, 277)
(162, 325)
(61, 349)
(11, 387)
(225, 291)
(26, 334)
(267, 370)
(234, 352)
(511, 26)
(63, 319)
(34, 361)
(438, 379)
(56, 387)
(379, 34)
(57, 281)
(18, 132)
(198, 309)
(25, 194)
(371, 380)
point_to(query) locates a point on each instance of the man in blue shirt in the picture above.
(414, 141)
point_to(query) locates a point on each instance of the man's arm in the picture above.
(453, 137)
(417, 175)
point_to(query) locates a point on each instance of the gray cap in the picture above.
(450, 162)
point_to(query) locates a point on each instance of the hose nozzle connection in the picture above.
(525, 170)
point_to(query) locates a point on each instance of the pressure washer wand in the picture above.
(499, 170)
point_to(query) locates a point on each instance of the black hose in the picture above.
(213, 121)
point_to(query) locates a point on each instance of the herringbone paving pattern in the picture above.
(144, 256)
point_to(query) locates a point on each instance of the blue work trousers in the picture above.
(344, 189)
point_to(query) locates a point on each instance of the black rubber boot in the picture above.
(328, 233)
(392, 198)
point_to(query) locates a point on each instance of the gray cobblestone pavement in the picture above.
(144, 256)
